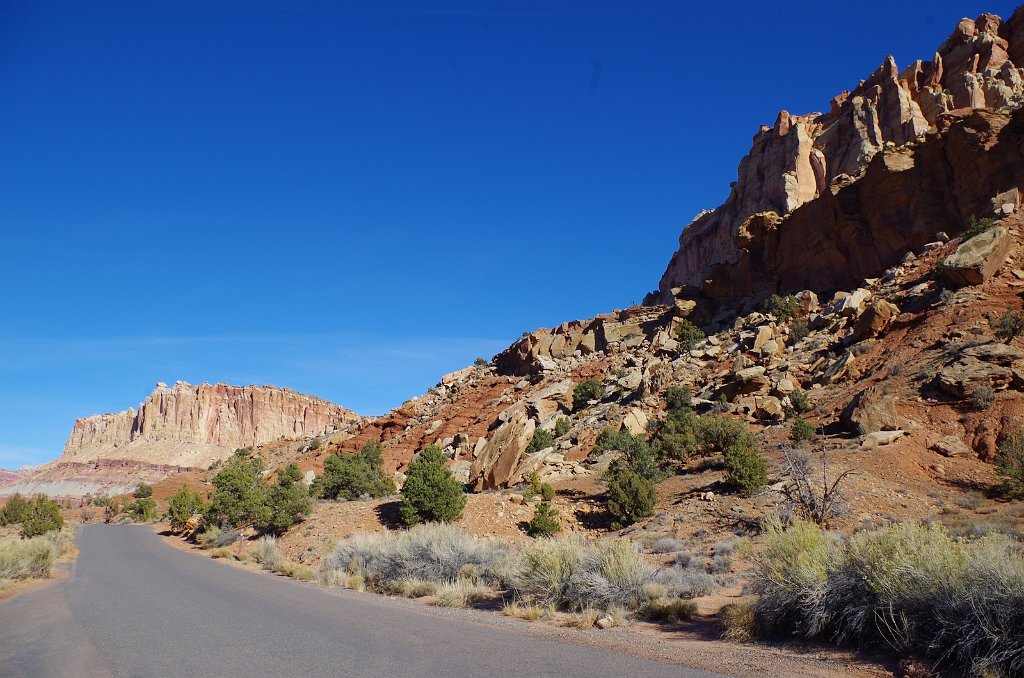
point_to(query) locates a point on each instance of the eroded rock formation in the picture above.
(826, 199)
(190, 425)
(176, 429)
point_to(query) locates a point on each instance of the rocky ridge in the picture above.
(826, 199)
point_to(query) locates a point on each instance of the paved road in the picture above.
(136, 606)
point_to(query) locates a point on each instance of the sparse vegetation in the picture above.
(801, 431)
(287, 501)
(1010, 463)
(182, 505)
(32, 557)
(541, 440)
(431, 552)
(807, 500)
(431, 493)
(573, 574)
(544, 522)
(1008, 326)
(631, 497)
(688, 335)
(747, 469)
(800, 402)
(15, 510)
(800, 329)
(584, 392)
(983, 397)
(43, 516)
(782, 308)
(536, 487)
(562, 426)
(912, 587)
(977, 226)
(351, 476)
(266, 552)
(142, 508)
(240, 496)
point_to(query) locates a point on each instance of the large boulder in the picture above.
(978, 259)
(502, 453)
(951, 446)
(871, 410)
(966, 375)
(875, 319)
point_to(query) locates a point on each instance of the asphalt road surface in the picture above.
(135, 606)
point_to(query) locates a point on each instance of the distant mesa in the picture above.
(177, 428)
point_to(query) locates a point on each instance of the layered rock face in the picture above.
(890, 164)
(176, 429)
(193, 426)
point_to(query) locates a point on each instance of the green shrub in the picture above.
(717, 433)
(101, 500)
(351, 476)
(747, 469)
(544, 522)
(678, 398)
(801, 431)
(541, 441)
(537, 487)
(799, 330)
(782, 308)
(912, 587)
(182, 505)
(637, 454)
(562, 426)
(800, 402)
(585, 391)
(431, 493)
(480, 362)
(15, 510)
(287, 501)
(43, 516)
(241, 493)
(631, 497)
(675, 437)
(1010, 463)
(688, 335)
(142, 509)
(1009, 326)
(143, 491)
(977, 226)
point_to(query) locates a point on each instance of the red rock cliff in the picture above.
(802, 160)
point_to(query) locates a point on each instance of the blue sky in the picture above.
(352, 198)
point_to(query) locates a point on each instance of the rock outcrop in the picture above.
(825, 200)
(537, 351)
(178, 428)
(195, 425)
(977, 259)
